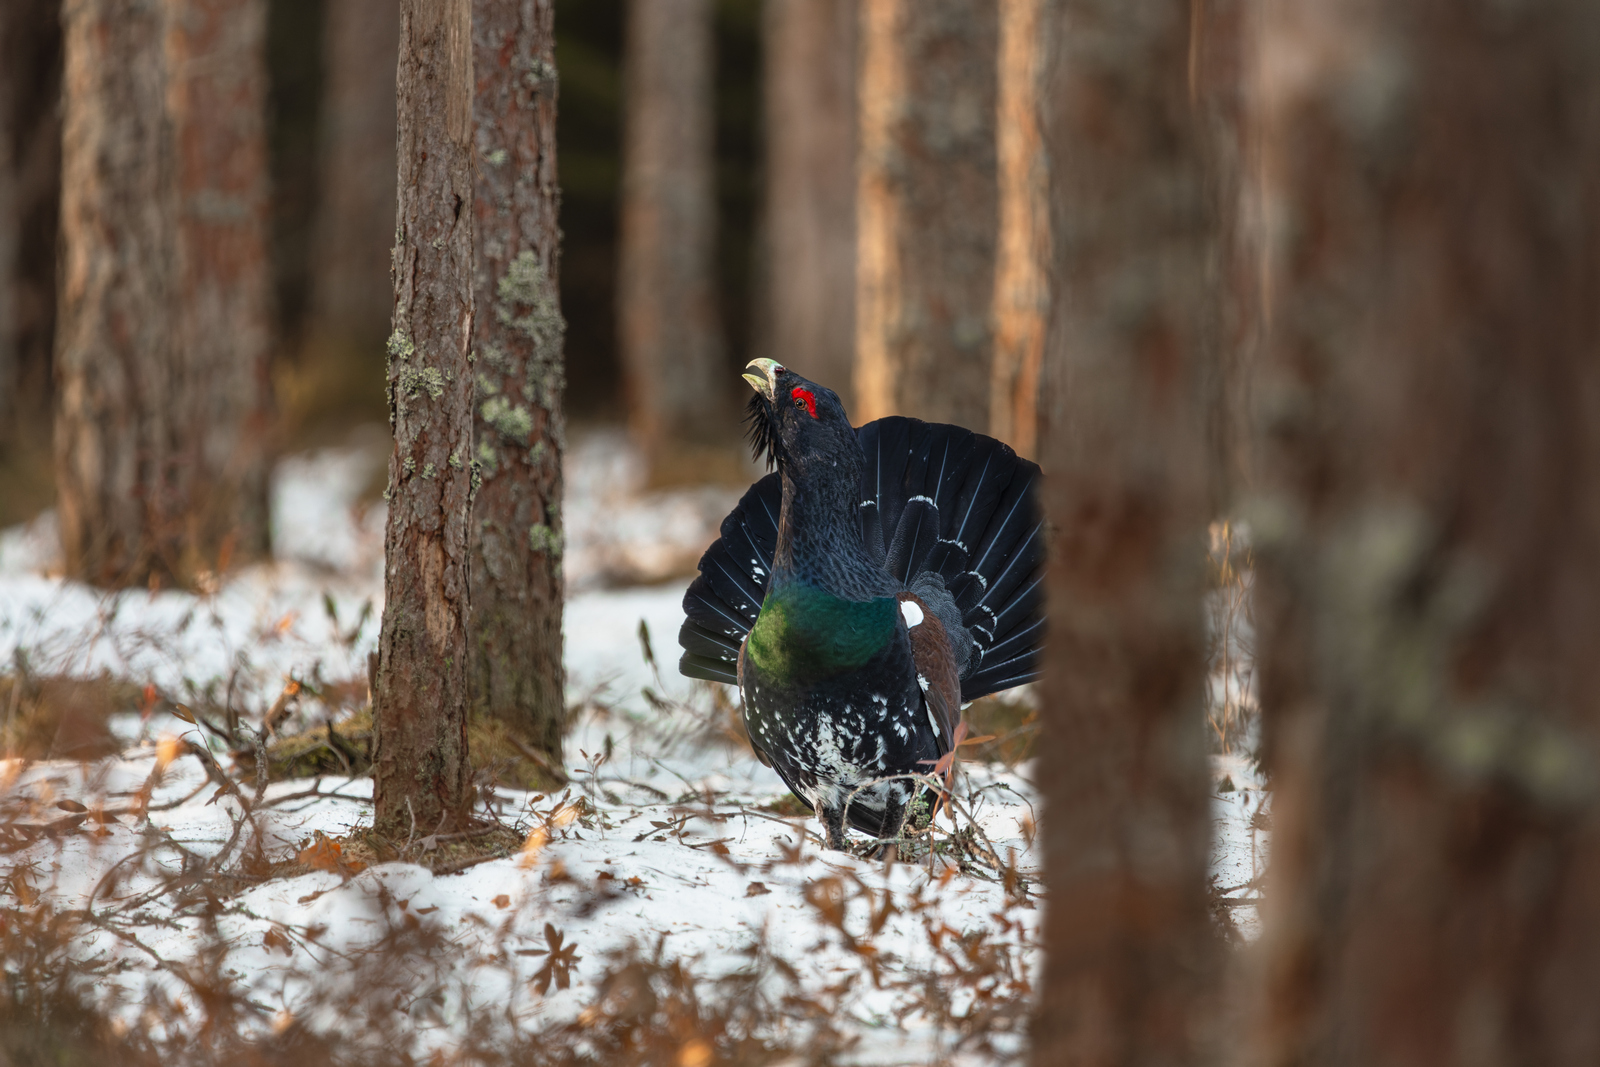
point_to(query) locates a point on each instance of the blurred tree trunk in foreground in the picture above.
(1022, 260)
(30, 192)
(1127, 935)
(1430, 536)
(352, 292)
(810, 73)
(926, 209)
(420, 770)
(164, 289)
(666, 293)
(1224, 40)
(517, 675)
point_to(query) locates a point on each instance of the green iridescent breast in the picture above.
(806, 633)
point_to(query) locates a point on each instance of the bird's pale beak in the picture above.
(762, 374)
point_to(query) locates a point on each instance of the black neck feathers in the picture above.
(819, 531)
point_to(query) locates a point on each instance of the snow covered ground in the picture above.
(663, 845)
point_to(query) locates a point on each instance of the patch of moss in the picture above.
(443, 854)
(494, 747)
(789, 806)
(345, 749)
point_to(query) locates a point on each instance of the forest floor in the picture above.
(671, 902)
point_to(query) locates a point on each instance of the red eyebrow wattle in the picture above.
(809, 397)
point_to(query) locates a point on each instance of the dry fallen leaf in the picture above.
(501, 901)
(275, 939)
(167, 750)
(325, 854)
(531, 848)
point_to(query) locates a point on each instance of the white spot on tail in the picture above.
(912, 612)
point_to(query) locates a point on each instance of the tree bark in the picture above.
(1127, 934)
(810, 61)
(1430, 532)
(420, 769)
(517, 673)
(217, 90)
(927, 210)
(672, 347)
(30, 192)
(1022, 258)
(164, 292)
(1220, 81)
(353, 293)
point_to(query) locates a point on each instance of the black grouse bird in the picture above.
(881, 577)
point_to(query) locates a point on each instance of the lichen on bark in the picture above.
(512, 420)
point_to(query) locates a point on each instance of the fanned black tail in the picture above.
(934, 498)
(944, 499)
(723, 602)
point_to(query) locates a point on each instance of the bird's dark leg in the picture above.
(833, 827)
(894, 824)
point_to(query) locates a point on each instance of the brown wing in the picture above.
(936, 669)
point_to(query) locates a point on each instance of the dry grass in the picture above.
(1009, 721)
(59, 1005)
(651, 1006)
(970, 987)
(55, 717)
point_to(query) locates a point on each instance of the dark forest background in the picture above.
(589, 51)
(589, 41)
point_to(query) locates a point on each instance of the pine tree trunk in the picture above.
(517, 674)
(420, 770)
(671, 342)
(1022, 258)
(163, 335)
(810, 63)
(14, 20)
(1220, 82)
(1430, 533)
(1127, 933)
(927, 210)
(30, 192)
(115, 337)
(353, 293)
(217, 90)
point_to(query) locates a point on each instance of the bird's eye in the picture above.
(799, 402)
